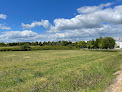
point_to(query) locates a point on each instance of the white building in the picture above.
(119, 44)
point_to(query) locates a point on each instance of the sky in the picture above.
(54, 20)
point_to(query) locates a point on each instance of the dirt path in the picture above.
(117, 85)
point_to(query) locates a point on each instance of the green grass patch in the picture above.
(58, 70)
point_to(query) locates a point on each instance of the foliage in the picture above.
(25, 47)
(10, 48)
(99, 43)
(82, 44)
(89, 45)
(107, 42)
(69, 47)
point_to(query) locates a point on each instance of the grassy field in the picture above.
(57, 70)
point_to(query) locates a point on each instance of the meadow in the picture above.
(58, 70)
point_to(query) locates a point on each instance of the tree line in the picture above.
(59, 43)
(99, 43)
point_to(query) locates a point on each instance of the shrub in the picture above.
(25, 47)
(53, 48)
(9, 49)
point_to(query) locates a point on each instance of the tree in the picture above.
(75, 44)
(59, 43)
(65, 43)
(89, 44)
(107, 42)
(82, 44)
(2, 44)
(25, 47)
(40, 43)
(93, 44)
(100, 42)
(96, 46)
(111, 42)
(36, 43)
(44, 43)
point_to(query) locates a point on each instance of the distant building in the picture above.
(118, 42)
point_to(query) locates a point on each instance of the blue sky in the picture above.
(43, 20)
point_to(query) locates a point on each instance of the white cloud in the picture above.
(99, 21)
(19, 34)
(88, 34)
(3, 16)
(44, 23)
(90, 9)
(73, 35)
(90, 17)
(79, 22)
(105, 5)
(93, 19)
(15, 36)
(4, 27)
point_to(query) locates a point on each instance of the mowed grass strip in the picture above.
(57, 70)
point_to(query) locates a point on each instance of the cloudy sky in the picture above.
(54, 20)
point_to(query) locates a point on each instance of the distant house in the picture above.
(118, 44)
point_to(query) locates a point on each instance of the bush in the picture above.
(24, 47)
(27, 48)
(53, 48)
(9, 49)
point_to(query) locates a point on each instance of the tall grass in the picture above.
(57, 70)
